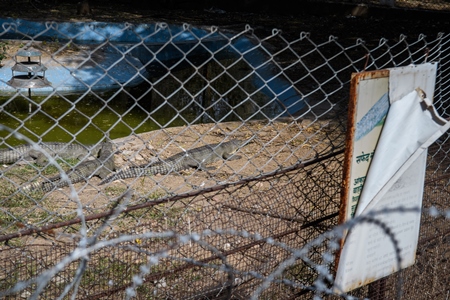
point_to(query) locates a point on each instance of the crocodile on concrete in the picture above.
(194, 158)
(101, 167)
(60, 150)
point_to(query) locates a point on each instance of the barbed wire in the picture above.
(331, 237)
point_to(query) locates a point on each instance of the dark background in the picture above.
(321, 19)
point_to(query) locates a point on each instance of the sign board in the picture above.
(391, 124)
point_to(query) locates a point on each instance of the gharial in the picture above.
(193, 158)
(60, 150)
(101, 167)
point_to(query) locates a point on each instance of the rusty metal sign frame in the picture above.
(356, 79)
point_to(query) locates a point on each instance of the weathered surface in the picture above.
(60, 150)
(194, 158)
(101, 167)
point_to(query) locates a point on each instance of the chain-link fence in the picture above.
(172, 162)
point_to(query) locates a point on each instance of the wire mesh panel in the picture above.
(174, 162)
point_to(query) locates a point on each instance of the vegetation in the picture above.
(3, 51)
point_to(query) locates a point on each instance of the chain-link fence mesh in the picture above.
(98, 202)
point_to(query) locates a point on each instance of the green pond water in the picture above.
(187, 96)
(64, 119)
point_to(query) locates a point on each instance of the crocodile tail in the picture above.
(47, 186)
(31, 187)
(43, 186)
(158, 168)
(123, 174)
(8, 156)
(108, 179)
(143, 170)
(77, 175)
(167, 166)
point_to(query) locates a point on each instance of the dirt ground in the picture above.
(273, 146)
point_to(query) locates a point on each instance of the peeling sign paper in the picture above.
(395, 175)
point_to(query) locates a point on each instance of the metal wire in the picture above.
(261, 223)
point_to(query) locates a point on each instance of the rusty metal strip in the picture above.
(348, 156)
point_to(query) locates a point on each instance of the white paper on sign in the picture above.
(420, 126)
